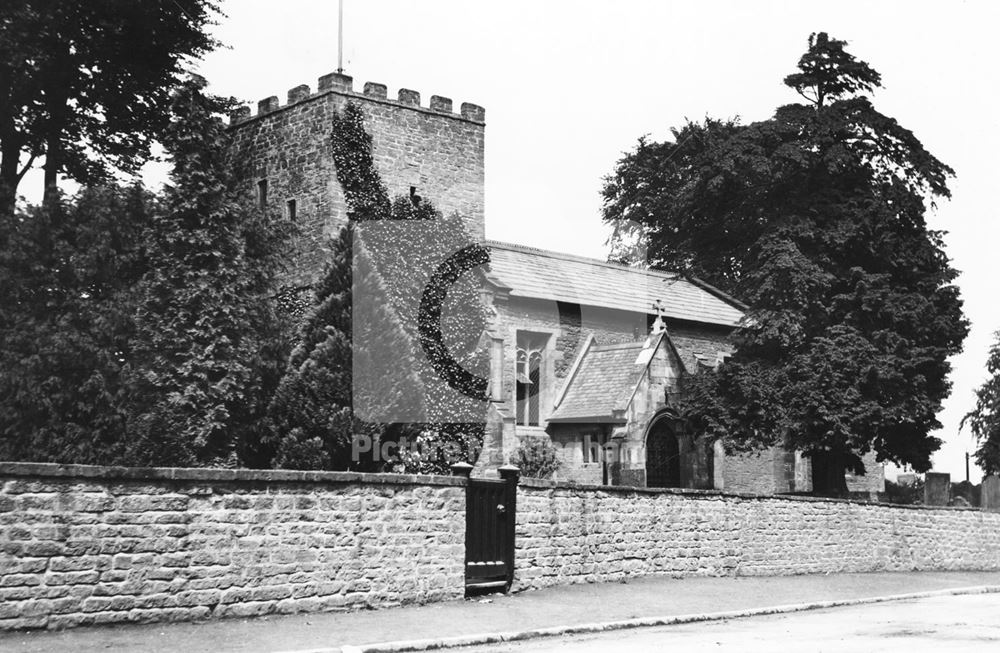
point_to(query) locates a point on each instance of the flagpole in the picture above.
(340, 37)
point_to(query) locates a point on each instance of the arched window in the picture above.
(529, 364)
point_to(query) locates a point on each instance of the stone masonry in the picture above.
(84, 545)
(433, 150)
(569, 534)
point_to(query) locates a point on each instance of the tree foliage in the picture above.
(86, 84)
(67, 302)
(205, 323)
(984, 419)
(815, 218)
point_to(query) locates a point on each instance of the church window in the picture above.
(496, 369)
(530, 379)
(291, 207)
(593, 447)
(262, 193)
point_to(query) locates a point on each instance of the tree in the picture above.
(86, 85)
(66, 323)
(814, 218)
(984, 419)
(205, 309)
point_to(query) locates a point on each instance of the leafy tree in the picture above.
(66, 323)
(985, 417)
(815, 218)
(202, 350)
(86, 84)
(315, 407)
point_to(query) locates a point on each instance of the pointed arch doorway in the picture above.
(663, 453)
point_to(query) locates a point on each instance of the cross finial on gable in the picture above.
(658, 325)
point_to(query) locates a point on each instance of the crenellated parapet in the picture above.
(344, 85)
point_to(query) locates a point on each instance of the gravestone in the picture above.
(937, 489)
(991, 494)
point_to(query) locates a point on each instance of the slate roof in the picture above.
(541, 274)
(603, 384)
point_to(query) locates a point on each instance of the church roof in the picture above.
(542, 274)
(602, 386)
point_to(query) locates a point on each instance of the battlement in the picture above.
(344, 85)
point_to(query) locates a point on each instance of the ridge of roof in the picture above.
(576, 258)
(724, 296)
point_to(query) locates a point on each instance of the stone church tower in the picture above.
(429, 151)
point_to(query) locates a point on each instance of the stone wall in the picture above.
(778, 470)
(431, 148)
(571, 534)
(90, 545)
(86, 545)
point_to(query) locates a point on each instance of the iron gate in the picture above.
(490, 518)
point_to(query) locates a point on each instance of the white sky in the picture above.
(569, 86)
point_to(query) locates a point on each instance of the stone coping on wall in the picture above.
(544, 484)
(202, 474)
(220, 475)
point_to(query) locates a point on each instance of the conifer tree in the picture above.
(66, 323)
(204, 312)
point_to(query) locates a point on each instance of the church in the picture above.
(585, 354)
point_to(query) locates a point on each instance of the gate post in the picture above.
(510, 474)
(461, 469)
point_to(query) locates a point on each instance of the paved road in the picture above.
(939, 624)
(554, 606)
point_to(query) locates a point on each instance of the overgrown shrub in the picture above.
(536, 458)
(904, 493)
